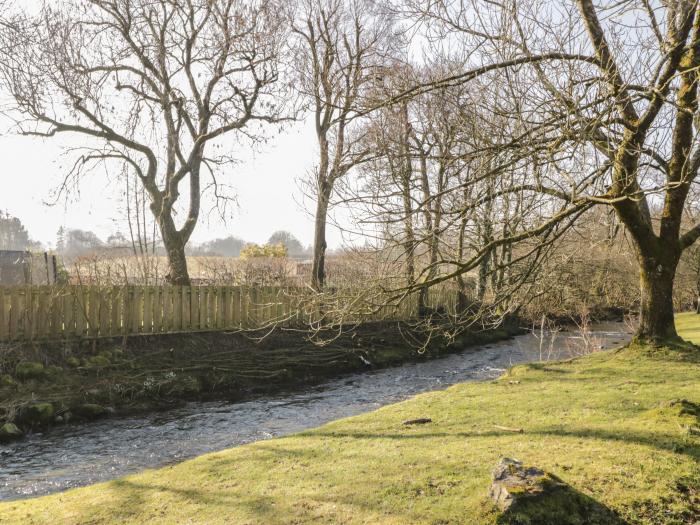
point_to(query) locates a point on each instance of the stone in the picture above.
(7, 380)
(30, 370)
(98, 361)
(529, 495)
(73, 362)
(88, 411)
(419, 421)
(37, 415)
(54, 370)
(10, 432)
(512, 481)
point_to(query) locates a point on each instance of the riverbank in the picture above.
(619, 427)
(48, 385)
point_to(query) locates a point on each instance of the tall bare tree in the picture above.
(152, 84)
(342, 48)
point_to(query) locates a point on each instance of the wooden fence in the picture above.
(78, 312)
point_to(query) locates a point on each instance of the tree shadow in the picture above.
(660, 441)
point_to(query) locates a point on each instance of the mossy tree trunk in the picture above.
(657, 274)
(658, 250)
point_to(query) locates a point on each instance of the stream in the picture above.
(75, 455)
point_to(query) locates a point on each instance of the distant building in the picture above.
(19, 268)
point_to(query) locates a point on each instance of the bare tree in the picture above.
(151, 84)
(606, 117)
(342, 48)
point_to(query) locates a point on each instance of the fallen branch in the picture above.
(509, 429)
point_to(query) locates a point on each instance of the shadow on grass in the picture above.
(134, 500)
(665, 442)
(563, 505)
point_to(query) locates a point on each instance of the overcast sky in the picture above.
(264, 182)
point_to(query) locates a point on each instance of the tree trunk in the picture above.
(656, 320)
(318, 269)
(174, 246)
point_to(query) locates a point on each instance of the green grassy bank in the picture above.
(610, 425)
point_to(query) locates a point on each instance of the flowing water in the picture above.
(75, 455)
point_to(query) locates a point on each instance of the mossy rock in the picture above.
(7, 381)
(527, 495)
(183, 385)
(10, 432)
(27, 370)
(73, 362)
(37, 415)
(88, 411)
(54, 370)
(98, 361)
(190, 385)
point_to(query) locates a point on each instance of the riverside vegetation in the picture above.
(620, 427)
(58, 384)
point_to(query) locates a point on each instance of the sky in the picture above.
(265, 183)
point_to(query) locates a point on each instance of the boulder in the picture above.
(37, 415)
(10, 432)
(88, 411)
(54, 371)
(6, 380)
(73, 362)
(98, 361)
(30, 370)
(529, 495)
(513, 481)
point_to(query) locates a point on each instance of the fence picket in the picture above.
(167, 299)
(178, 292)
(4, 311)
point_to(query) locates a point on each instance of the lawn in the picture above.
(606, 424)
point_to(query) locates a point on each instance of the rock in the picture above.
(513, 481)
(30, 370)
(37, 415)
(54, 370)
(73, 362)
(89, 411)
(419, 421)
(98, 361)
(7, 380)
(10, 432)
(529, 495)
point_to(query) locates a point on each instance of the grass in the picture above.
(606, 424)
